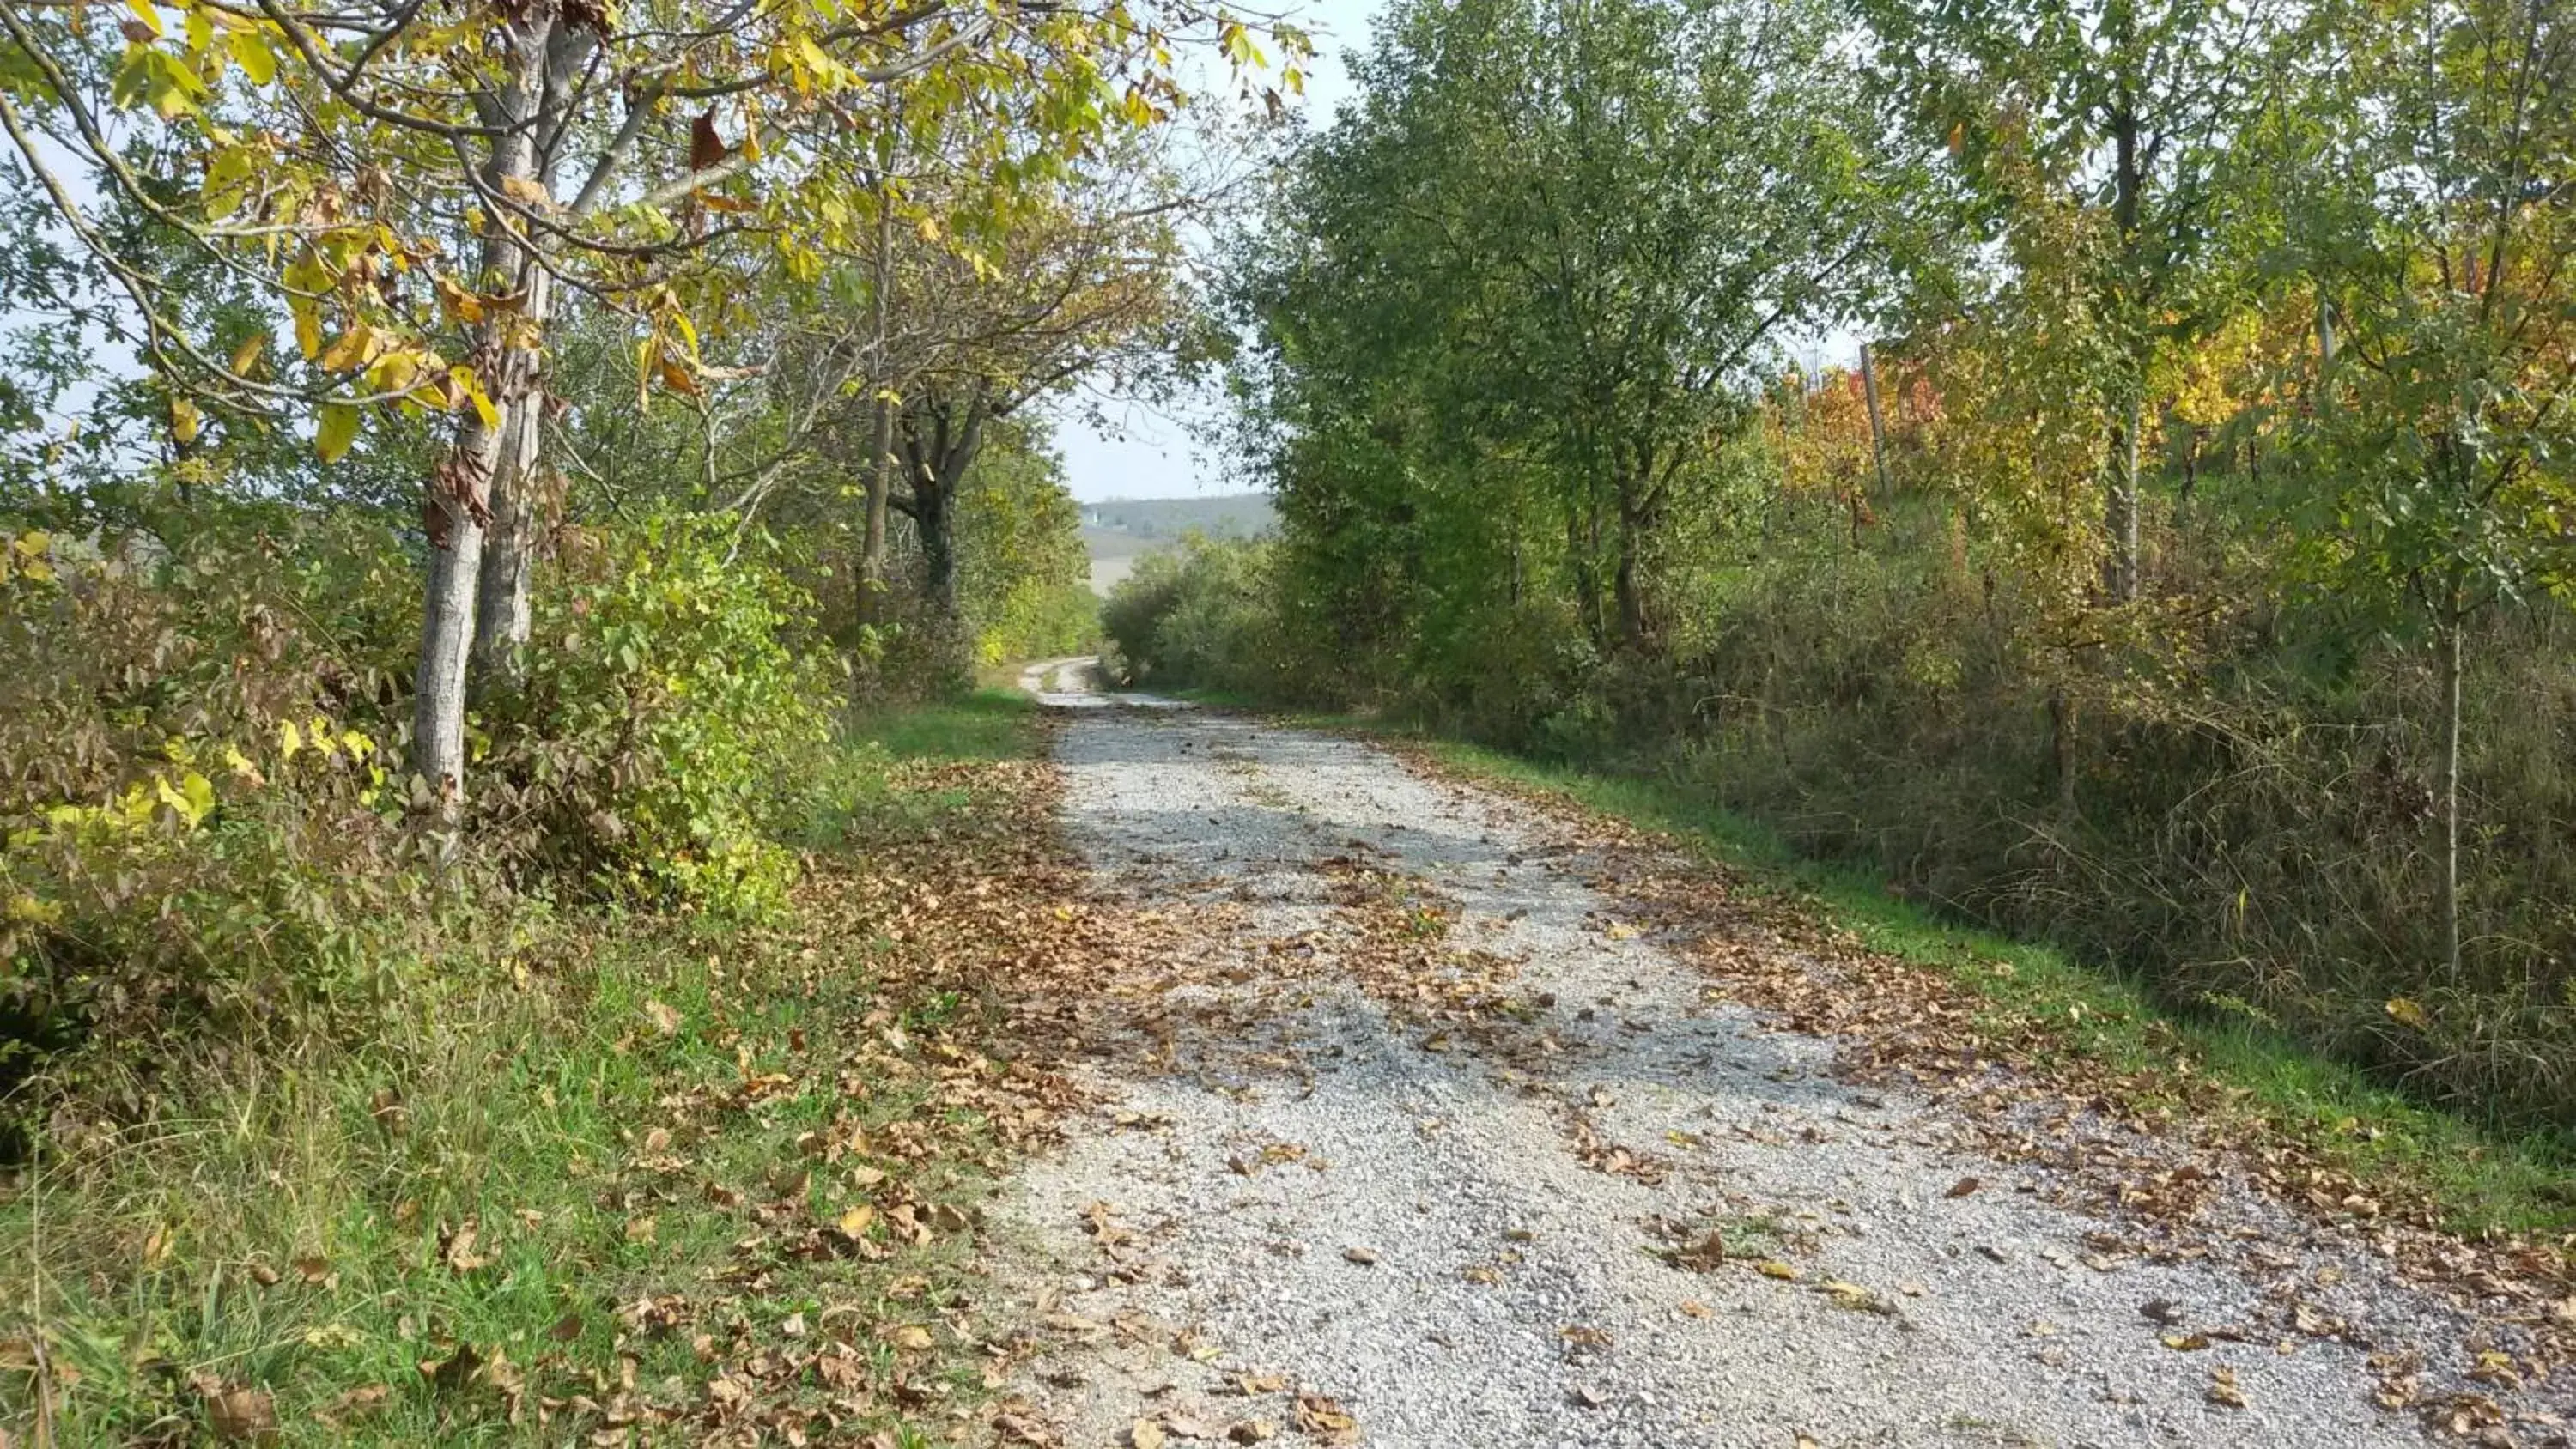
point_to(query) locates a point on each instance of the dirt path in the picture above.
(1419, 1144)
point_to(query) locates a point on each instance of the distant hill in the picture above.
(1232, 515)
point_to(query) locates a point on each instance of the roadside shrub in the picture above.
(673, 684)
(201, 838)
(1203, 615)
(1039, 621)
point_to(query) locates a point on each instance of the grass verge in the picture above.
(607, 1179)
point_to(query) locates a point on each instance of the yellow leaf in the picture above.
(2185, 1342)
(339, 429)
(352, 349)
(1145, 1434)
(290, 739)
(522, 189)
(27, 910)
(246, 356)
(251, 53)
(854, 1223)
(149, 14)
(394, 372)
(912, 1336)
(466, 307)
(308, 328)
(1774, 1268)
(2406, 1011)
(185, 420)
(472, 386)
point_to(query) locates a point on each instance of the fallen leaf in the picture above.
(2185, 1342)
(910, 1335)
(1145, 1434)
(854, 1223)
(1326, 1420)
(1963, 1187)
(452, 1374)
(1365, 1257)
(2223, 1388)
(243, 1415)
(457, 1252)
(1251, 1431)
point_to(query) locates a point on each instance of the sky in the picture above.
(1139, 450)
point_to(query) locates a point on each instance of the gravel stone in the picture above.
(1966, 1320)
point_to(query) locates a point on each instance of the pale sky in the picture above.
(1148, 452)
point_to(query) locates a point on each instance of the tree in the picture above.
(1571, 230)
(2129, 109)
(416, 191)
(2437, 154)
(1087, 281)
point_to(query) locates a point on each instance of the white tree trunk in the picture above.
(509, 547)
(458, 507)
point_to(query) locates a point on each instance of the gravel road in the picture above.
(1628, 1214)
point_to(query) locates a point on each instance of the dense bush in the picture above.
(673, 684)
(1203, 615)
(202, 836)
(2242, 818)
(206, 841)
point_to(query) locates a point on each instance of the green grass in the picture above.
(576, 1088)
(993, 723)
(2478, 1179)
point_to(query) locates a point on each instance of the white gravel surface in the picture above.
(1410, 1227)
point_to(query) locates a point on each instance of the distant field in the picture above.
(1123, 530)
(1114, 555)
(1232, 515)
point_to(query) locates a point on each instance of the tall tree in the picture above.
(1575, 228)
(2128, 109)
(348, 156)
(2433, 209)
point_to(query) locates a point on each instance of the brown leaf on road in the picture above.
(2185, 1342)
(1326, 1420)
(1963, 1187)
